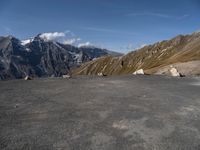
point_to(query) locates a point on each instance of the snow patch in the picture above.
(28, 49)
(24, 42)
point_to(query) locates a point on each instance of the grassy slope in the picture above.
(150, 58)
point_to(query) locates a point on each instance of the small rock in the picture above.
(66, 76)
(101, 74)
(27, 78)
(16, 106)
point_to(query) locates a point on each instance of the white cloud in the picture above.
(140, 46)
(84, 44)
(131, 47)
(71, 41)
(143, 45)
(55, 36)
(183, 17)
(150, 14)
(160, 15)
(66, 37)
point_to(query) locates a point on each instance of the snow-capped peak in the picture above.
(24, 42)
(67, 38)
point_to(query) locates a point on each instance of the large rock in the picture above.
(139, 72)
(174, 72)
(190, 68)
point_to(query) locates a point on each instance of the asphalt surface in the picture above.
(100, 113)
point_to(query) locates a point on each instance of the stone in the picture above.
(139, 72)
(27, 78)
(66, 76)
(174, 72)
(101, 74)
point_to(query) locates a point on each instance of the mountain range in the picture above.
(39, 57)
(181, 51)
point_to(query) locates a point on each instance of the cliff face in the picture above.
(150, 58)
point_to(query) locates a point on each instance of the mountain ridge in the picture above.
(181, 48)
(40, 58)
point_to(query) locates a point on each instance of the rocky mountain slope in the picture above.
(38, 57)
(185, 68)
(151, 58)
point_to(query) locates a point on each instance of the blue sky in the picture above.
(120, 25)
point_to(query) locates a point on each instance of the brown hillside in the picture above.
(150, 58)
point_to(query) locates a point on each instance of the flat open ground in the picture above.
(96, 113)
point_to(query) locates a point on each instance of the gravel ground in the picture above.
(100, 113)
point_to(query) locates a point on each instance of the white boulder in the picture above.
(137, 72)
(101, 74)
(27, 78)
(174, 72)
(66, 76)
